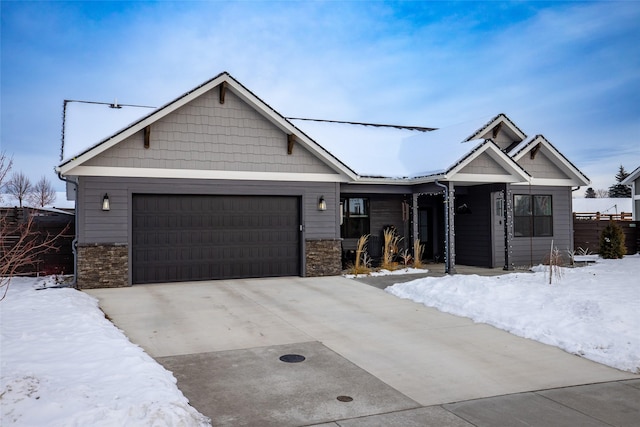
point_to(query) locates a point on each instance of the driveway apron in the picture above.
(429, 357)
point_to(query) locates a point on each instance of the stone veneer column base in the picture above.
(103, 266)
(323, 257)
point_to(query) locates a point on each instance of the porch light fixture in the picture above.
(105, 202)
(322, 204)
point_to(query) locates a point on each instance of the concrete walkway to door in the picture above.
(429, 357)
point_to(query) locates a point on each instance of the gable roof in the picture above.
(410, 156)
(485, 150)
(229, 83)
(632, 177)
(539, 143)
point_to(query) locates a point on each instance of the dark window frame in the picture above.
(532, 215)
(355, 224)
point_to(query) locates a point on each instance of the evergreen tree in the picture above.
(590, 193)
(612, 242)
(618, 190)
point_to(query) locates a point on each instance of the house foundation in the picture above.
(323, 257)
(103, 266)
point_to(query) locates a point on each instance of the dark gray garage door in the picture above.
(195, 237)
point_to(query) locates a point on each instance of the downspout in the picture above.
(446, 225)
(74, 242)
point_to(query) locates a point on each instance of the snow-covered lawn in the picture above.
(591, 311)
(62, 363)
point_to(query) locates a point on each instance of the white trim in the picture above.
(576, 178)
(499, 118)
(552, 182)
(492, 150)
(204, 174)
(483, 178)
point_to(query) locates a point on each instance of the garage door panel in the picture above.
(194, 237)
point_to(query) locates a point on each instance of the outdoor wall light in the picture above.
(105, 202)
(322, 204)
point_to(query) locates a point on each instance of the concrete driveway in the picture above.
(405, 355)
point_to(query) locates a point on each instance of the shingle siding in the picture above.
(541, 167)
(484, 165)
(207, 135)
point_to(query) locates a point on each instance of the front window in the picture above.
(532, 216)
(355, 217)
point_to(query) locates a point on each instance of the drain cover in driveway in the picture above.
(292, 358)
(254, 388)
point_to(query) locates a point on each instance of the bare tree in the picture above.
(42, 193)
(603, 194)
(5, 166)
(21, 245)
(18, 186)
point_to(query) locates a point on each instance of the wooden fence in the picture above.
(58, 260)
(622, 216)
(586, 234)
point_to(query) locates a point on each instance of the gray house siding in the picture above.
(541, 166)
(97, 226)
(473, 225)
(207, 135)
(483, 165)
(110, 232)
(528, 251)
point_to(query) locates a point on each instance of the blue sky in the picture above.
(567, 70)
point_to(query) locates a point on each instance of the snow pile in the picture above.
(64, 364)
(591, 311)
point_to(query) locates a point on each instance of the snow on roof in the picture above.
(394, 153)
(87, 124)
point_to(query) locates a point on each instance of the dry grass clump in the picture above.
(391, 241)
(362, 264)
(418, 251)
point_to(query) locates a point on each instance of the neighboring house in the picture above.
(216, 184)
(634, 181)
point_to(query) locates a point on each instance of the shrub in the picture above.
(612, 242)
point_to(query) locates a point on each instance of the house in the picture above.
(634, 181)
(216, 184)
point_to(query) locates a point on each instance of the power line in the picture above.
(380, 125)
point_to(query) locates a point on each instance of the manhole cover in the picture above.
(345, 398)
(292, 358)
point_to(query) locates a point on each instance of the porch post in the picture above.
(452, 229)
(414, 216)
(507, 227)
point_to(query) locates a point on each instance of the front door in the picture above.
(425, 231)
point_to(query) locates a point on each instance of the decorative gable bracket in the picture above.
(147, 136)
(223, 91)
(291, 139)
